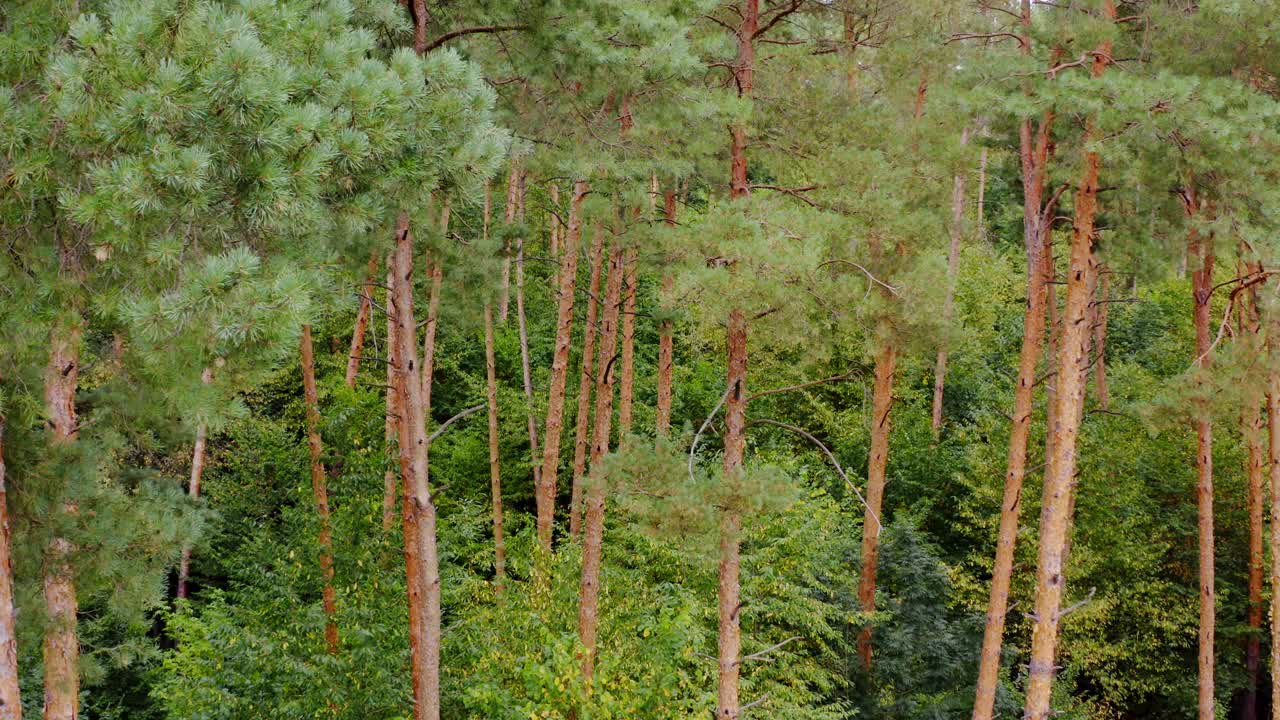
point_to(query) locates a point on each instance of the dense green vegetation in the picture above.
(804, 288)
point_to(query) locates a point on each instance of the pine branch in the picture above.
(488, 29)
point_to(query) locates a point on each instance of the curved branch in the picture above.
(831, 457)
(445, 425)
(452, 34)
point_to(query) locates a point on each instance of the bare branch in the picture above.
(831, 457)
(445, 425)
(470, 31)
(873, 278)
(801, 386)
(694, 445)
(766, 651)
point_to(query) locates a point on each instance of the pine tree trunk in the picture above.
(320, 489)
(61, 649)
(1039, 275)
(557, 229)
(513, 189)
(948, 303)
(545, 495)
(424, 591)
(666, 351)
(593, 527)
(390, 479)
(1251, 429)
(193, 489)
(525, 370)
(1064, 425)
(433, 315)
(1100, 339)
(1200, 251)
(877, 462)
(1051, 344)
(1273, 457)
(362, 322)
(729, 639)
(582, 438)
(626, 389)
(10, 700)
(495, 472)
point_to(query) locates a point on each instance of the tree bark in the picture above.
(877, 462)
(630, 277)
(729, 637)
(666, 351)
(433, 314)
(593, 527)
(61, 649)
(1100, 339)
(1200, 250)
(582, 439)
(513, 189)
(526, 373)
(424, 591)
(495, 471)
(546, 480)
(557, 229)
(10, 699)
(1273, 456)
(1034, 158)
(193, 489)
(948, 303)
(1251, 427)
(1064, 425)
(362, 322)
(320, 489)
(390, 480)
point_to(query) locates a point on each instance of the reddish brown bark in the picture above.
(495, 470)
(320, 490)
(582, 439)
(666, 351)
(1064, 424)
(729, 636)
(545, 495)
(593, 526)
(1251, 428)
(948, 303)
(877, 462)
(423, 559)
(1034, 156)
(1273, 456)
(1200, 253)
(390, 480)
(626, 387)
(10, 700)
(193, 489)
(362, 321)
(557, 228)
(1100, 339)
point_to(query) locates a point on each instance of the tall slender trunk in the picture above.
(513, 189)
(1051, 344)
(390, 479)
(557, 228)
(10, 700)
(320, 489)
(593, 532)
(424, 592)
(729, 638)
(1034, 159)
(626, 389)
(1200, 251)
(948, 303)
(526, 372)
(1064, 424)
(433, 313)
(1100, 338)
(666, 351)
(1273, 457)
(729, 635)
(495, 471)
(582, 435)
(362, 321)
(877, 462)
(193, 489)
(61, 641)
(546, 480)
(1251, 428)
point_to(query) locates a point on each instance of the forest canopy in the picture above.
(617, 359)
